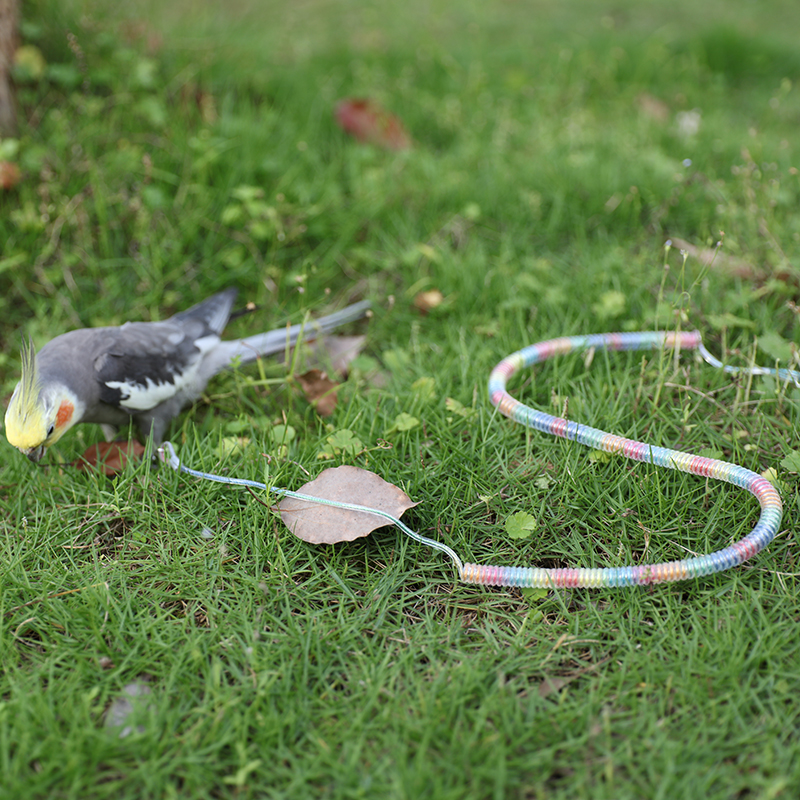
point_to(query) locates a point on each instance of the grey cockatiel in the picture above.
(145, 371)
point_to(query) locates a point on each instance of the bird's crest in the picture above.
(24, 415)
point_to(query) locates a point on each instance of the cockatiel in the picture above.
(145, 371)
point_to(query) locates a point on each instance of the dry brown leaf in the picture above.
(551, 685)
(320, 524)
(10, 175)
(109, 457)
(555, 684)
(320, 391)
(141, 32)
(341, 350)
(653, 107)
(425, 301)
(329, 352)
(713, 256)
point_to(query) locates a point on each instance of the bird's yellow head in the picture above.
(38, 415)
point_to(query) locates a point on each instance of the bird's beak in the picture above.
(35, 453)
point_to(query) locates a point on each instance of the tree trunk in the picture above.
(9, 25)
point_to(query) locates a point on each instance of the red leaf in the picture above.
(365, 120)
(109, 457)
(10, 175)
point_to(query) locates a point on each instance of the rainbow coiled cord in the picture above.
(771, 508)
(761, 535)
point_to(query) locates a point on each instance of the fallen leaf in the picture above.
(336, 351)
(322, 524)
(10, 175)
(342, 350)
(551, 685)
(426, 301)
(366, 368)
(714, 257)
(109, 457)
(320, 391)
(141, 32)
(652, 107)
(368, 122)
(333, 353)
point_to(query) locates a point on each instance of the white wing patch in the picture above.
(136, 397)
(142, 397)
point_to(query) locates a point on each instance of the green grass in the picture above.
(167, 159)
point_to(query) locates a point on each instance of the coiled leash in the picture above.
(762, 534)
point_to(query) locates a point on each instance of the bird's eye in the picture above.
(50, 431)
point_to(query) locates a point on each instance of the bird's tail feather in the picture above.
(212, 312)
(265, 344)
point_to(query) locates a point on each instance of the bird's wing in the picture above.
(147, 364)
(143, 364)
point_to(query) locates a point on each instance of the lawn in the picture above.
(168, 151)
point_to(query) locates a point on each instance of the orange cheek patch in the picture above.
(64, 413)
